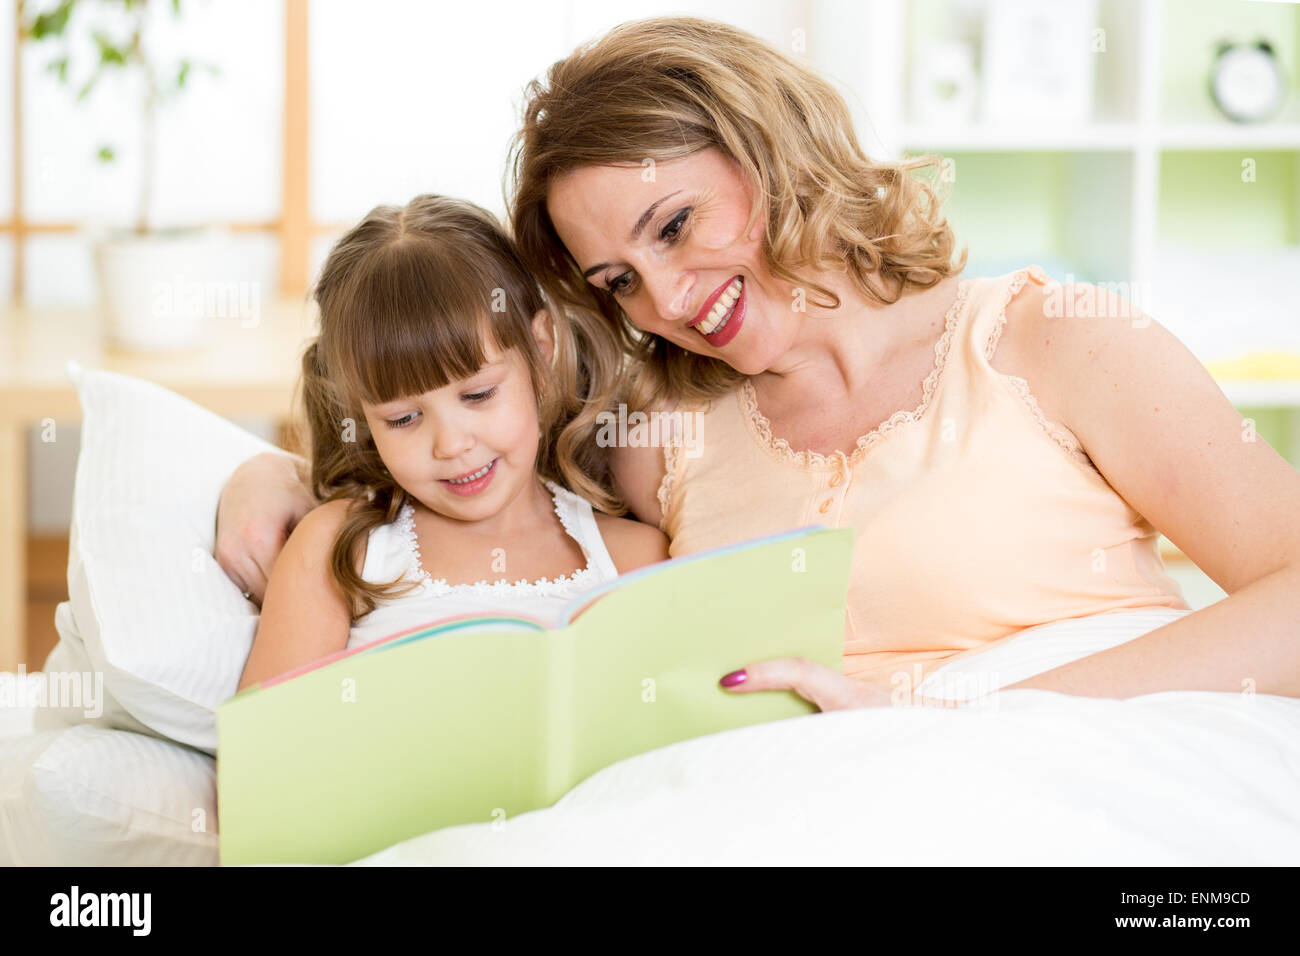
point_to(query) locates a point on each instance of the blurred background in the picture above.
(172, 174)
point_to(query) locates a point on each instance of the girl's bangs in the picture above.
(425, 328)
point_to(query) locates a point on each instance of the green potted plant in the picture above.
(139, 267)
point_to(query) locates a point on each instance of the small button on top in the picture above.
(835, 479)
(825, 506)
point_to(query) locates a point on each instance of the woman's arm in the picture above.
(1161, 431)
(304, 616)
(261, 504)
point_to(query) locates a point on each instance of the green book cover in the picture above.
(484, 717)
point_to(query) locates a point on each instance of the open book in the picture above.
(480, 718)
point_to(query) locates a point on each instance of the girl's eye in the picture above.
(473, 397)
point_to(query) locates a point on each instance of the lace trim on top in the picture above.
(780, 449)
(542, 587)
(672, 461)
(1063, 437)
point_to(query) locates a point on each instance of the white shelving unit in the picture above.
(1109, 198)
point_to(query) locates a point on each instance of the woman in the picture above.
(704, 197)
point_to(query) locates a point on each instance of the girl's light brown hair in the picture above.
(666, 87)
(407, 298)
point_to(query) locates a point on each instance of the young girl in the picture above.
(439, 397)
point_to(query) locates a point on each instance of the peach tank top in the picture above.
(975, 517)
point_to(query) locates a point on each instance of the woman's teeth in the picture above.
(720, 314)
(474, 477)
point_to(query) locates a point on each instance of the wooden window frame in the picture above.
(294, 227)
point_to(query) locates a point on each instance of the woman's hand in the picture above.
(260, 506)
(819, 684)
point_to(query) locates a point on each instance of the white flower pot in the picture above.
(153, 288)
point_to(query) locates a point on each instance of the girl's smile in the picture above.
(473, 482)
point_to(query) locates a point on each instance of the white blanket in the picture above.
(1026, 777)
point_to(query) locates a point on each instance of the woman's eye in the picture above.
(620, 286)
(673, 230)
(623, 285)
(403, 421)
(482, 396)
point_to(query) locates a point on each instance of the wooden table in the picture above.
(243, 369)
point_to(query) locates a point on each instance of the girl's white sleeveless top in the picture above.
(392, 551)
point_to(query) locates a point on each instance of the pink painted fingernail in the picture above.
(734, 678)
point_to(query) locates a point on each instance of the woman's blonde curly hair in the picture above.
(666, 87)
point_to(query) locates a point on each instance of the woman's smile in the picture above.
(721, 316)
(654, 256)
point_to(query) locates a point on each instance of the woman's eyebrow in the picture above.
(636, 230)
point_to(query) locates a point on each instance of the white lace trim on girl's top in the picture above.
(578, 521)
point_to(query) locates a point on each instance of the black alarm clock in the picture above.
(1246, 81)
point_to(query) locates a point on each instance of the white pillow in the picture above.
(90, 796)
(155, 613)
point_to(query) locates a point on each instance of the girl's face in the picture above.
(672, 253)
(468, 449)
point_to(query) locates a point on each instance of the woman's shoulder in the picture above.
(1012, 326)
(631, 544)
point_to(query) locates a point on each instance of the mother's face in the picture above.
(667, 242)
